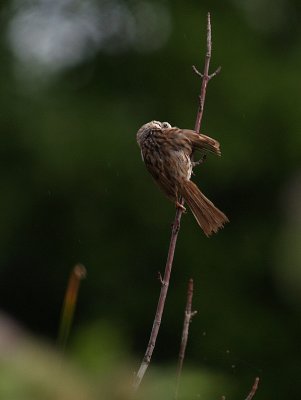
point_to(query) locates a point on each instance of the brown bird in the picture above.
(166, 152)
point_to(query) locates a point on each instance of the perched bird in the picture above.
(167, 153)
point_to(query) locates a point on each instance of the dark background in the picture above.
(78, 78)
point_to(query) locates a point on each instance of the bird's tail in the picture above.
(210, 218)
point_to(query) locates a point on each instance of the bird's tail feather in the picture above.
(209, 218)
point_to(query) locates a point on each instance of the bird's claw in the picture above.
(203, 159)
(179, 205)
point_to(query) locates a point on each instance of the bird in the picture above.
(167, 153)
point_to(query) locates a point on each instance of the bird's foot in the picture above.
(179, 205)
(201, 161)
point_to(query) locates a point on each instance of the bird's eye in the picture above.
(166, 125)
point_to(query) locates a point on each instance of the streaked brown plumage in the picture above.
(166, 152)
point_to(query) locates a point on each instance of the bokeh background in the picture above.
(78, 78)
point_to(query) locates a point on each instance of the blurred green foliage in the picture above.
(78, 78)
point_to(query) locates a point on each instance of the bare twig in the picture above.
(175, 230)
(218, 70)
(205, 77)
(187, 319)
(159, 312)
(253, 390)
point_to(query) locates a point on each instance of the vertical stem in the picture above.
(187, 319)
(205, 78)
(160, 307)
(175, 230)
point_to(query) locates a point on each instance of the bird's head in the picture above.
(146, 129)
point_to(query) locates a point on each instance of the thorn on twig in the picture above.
(162, 281)
(253, 390)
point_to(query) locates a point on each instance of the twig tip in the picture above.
(254, 389)
(217, 71)
(197, 72)
(80, 271)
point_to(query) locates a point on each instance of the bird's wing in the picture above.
(202, 142)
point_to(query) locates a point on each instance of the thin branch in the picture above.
(217, 71)
(188, 315)
(159, 312)
(198, 73)
(205, 77)
(253, 390)
(175, 230)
